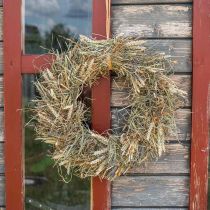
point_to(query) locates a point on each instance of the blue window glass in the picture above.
(47, 21)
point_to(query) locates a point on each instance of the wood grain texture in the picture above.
(152, 21)
(150, 191)
(117, 2)
(180, 52)
(182, 117)
(2, 190)
(120, 90)
(174, 161)
(1, 158)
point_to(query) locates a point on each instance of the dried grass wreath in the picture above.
(61, 116)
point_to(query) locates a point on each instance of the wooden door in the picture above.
(16, 63)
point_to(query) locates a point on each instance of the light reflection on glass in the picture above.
(43, 186)
(47, 23)
(47, 20)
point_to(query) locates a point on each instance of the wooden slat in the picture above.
(116, 2)
(174, 160)
(179, 50)
(152, 21)
(183, 122)
(120, 90)
(1, 158)
(2, 191)
(150, 191)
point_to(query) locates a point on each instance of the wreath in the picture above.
(62, 114)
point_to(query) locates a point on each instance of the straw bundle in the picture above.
(61, 116)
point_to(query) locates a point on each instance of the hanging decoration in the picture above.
(62, 114)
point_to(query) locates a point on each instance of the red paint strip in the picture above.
(201, 79)
(32, 64)
(101, 117)
(12, 105)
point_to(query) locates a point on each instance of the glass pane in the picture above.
(47, 20)
(43, 186)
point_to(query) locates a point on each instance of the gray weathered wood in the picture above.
(116, 2)
(1, 158)
(152, 21)
(180, 52)
(120, 90)
(174, 160)
(2, 190)
(150, 191)
(182, 117)
(1, 126)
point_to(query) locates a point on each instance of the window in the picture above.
(47, 25)
(47, 21)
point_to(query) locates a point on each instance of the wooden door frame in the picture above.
(200, 83)
(16, 64)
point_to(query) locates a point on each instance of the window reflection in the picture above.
(47, 24)
(43, 186)
(46, 21)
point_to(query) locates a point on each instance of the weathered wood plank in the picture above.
(2, 187)
(117, 2)
(180, 52)
(182, 117)
(174, 160)
(150, 191)
(120, 90)
(1, 158)
(152, 21)
(1, 126)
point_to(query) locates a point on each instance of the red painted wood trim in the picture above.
(201, 79)
(13, 104)
(101, 115)
(31, 64)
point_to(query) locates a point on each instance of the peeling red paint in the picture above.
(201, 80)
